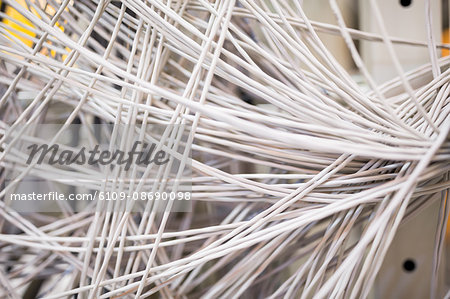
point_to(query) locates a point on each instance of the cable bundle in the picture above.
(300, 176)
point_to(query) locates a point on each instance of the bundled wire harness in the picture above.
(300, 176)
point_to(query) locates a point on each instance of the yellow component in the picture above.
(446, 40)
(446, 52)
(19, 19)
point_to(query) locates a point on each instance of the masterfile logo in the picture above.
(99, 166)
(145, 156)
